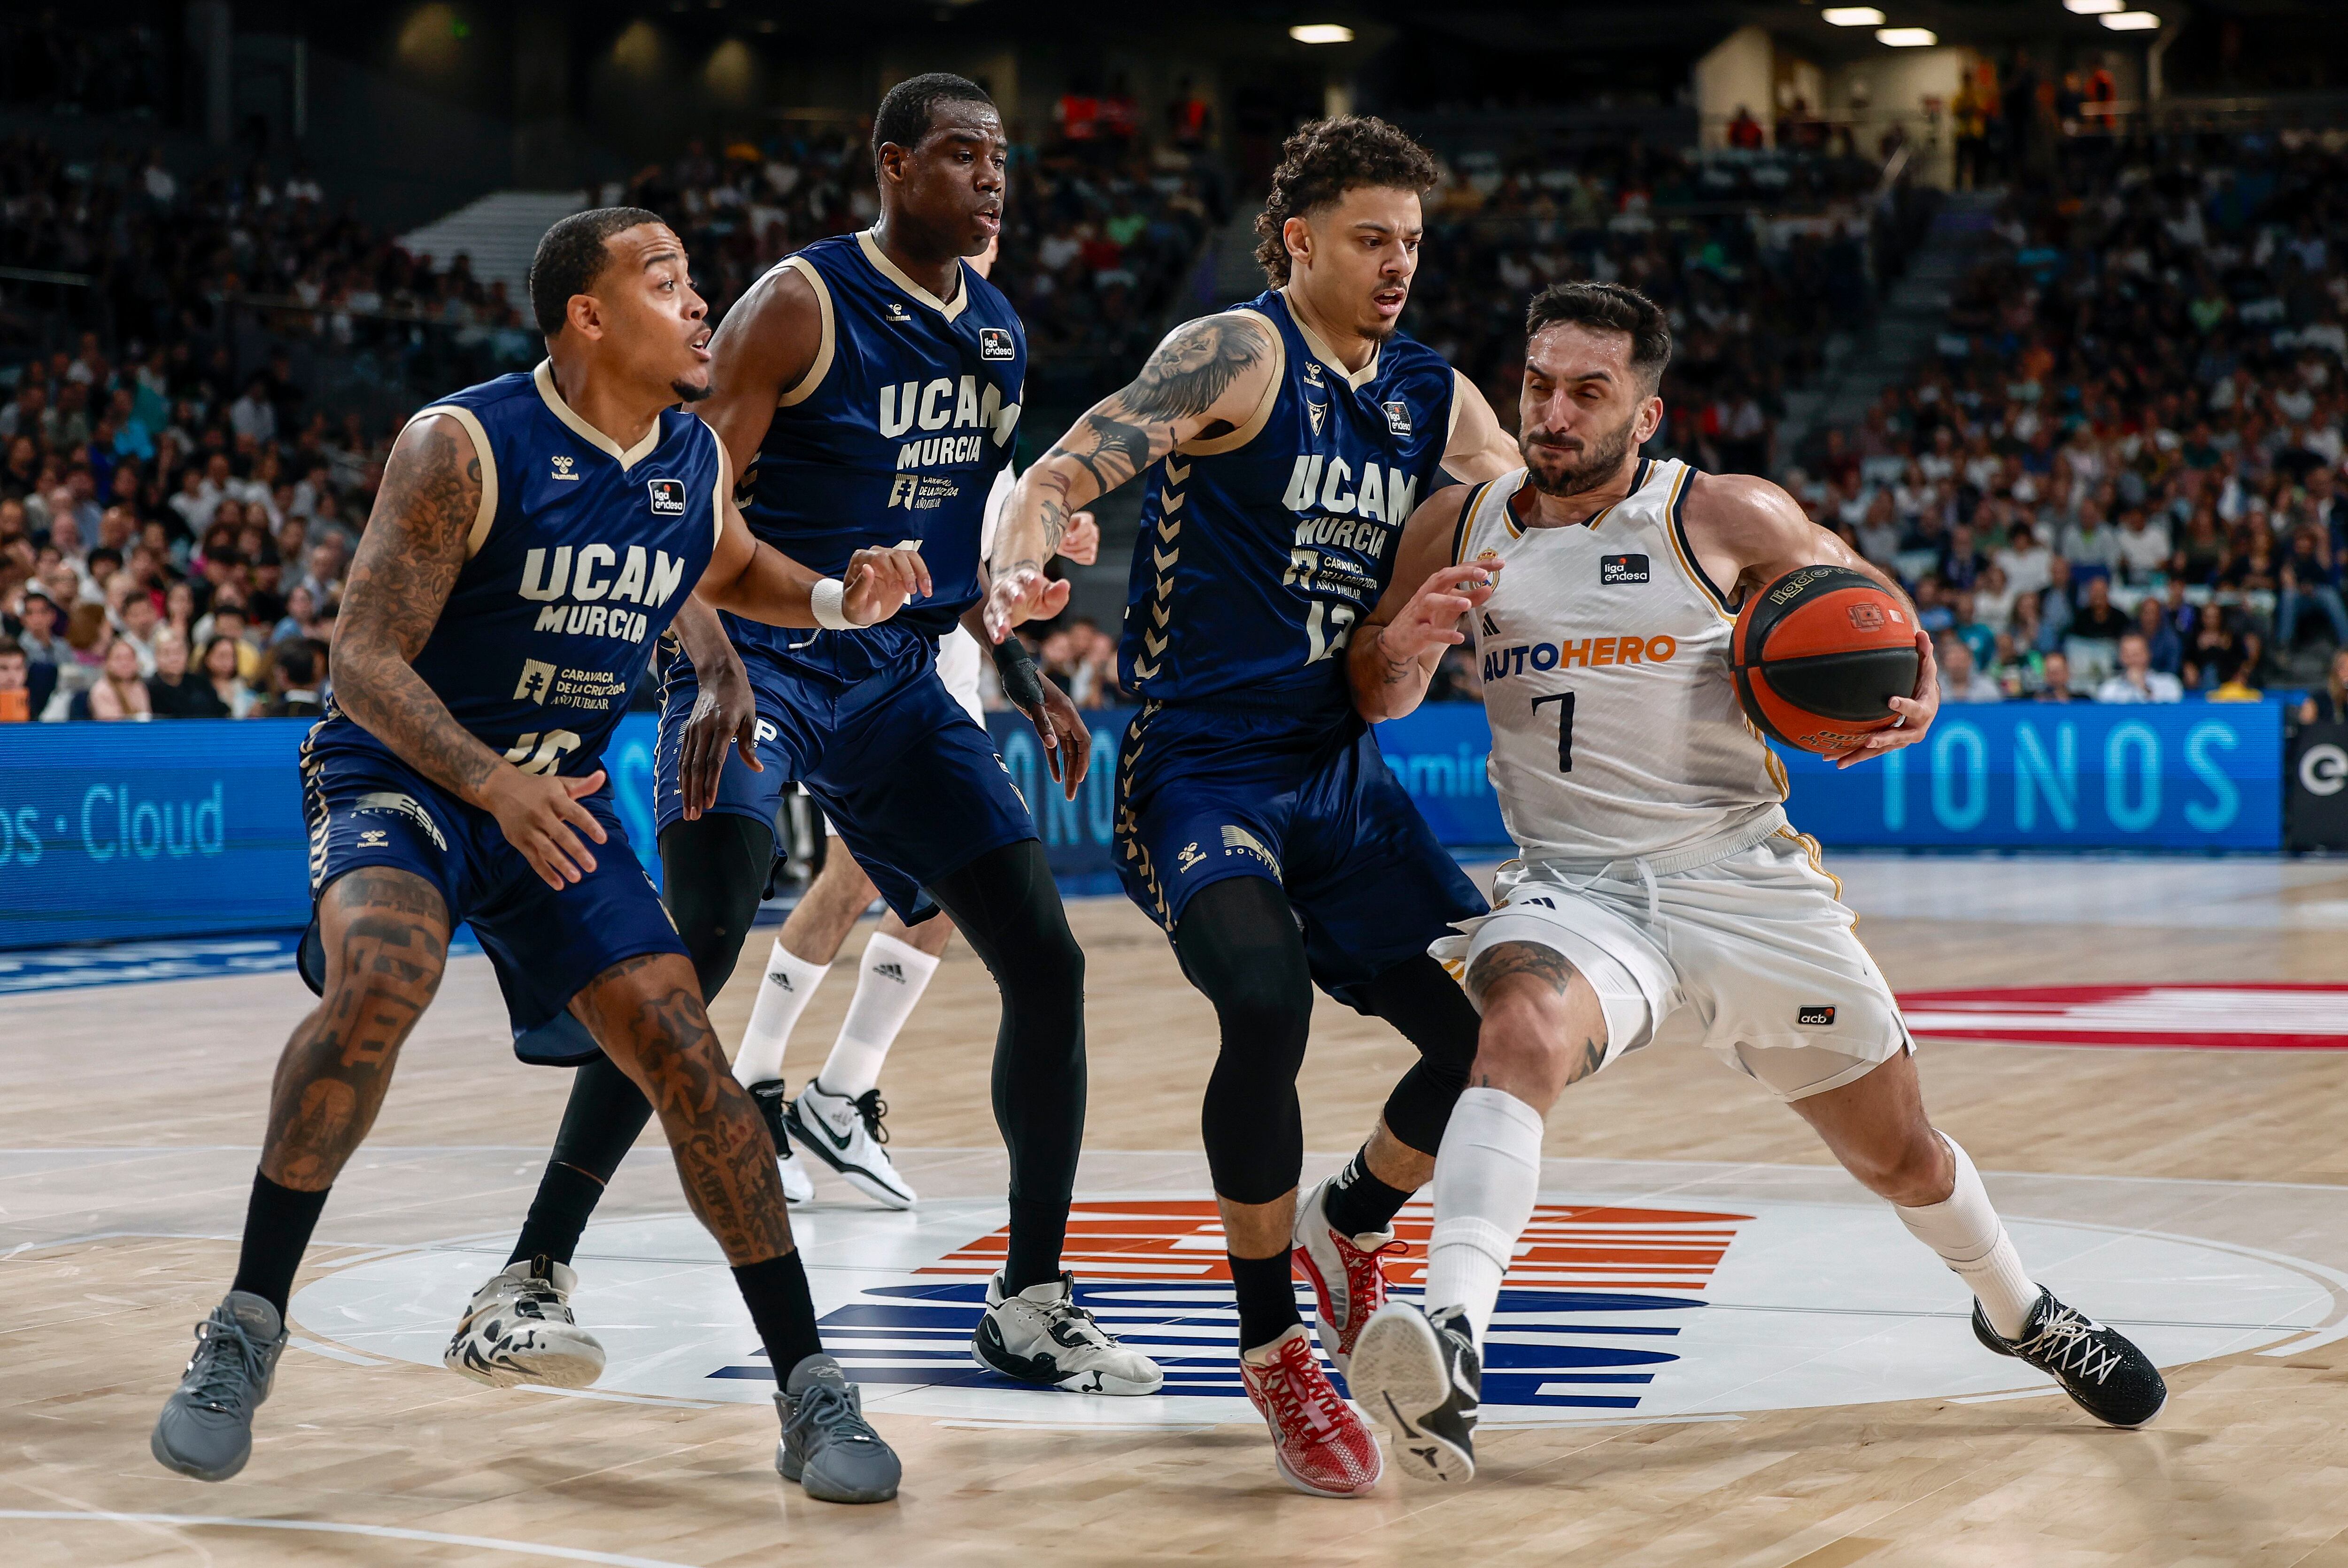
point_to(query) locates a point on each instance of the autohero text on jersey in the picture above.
(1589, 652)
(597, 580)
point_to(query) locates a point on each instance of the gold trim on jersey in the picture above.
(543, 376)
(486, 512)
(1356, 379)
(1165, 553)
(896, 274)
(1248, 430)
(826, 342)
(722, 490)
(1685, 553)
(1467, 526)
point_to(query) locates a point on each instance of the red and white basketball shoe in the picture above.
(1322, 1447)
(1349, 1281)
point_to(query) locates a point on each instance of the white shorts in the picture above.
(1751, 956)
(959, 658)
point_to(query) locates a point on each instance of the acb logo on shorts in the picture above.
(667, 497)
(1815, 1018)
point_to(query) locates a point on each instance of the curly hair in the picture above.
(1323, 161)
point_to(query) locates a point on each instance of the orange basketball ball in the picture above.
(1819, 654)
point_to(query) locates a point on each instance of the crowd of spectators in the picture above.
(1097, 238)
(2122, 477)
(1759, 258)
(170, 546)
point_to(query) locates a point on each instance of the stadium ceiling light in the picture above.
(1322, 33)
(1858, 16)
(2091, 7)
(2132, 22)
(1907, 37)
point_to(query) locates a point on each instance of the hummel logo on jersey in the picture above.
(563, 463)
(536, 677)
(1815, 1018)
(667, 496)
(994, 342)
(1398, 418)
(1312, 373)
(897, 312)
(1622, 569)
(890, 972)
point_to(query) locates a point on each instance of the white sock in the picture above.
(1971, 1239)
(788, 986)
(888, 983)
(1486, 1174)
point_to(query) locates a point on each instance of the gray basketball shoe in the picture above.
(828, 1447)
(206, 1427)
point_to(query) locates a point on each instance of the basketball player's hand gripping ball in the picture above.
(1830, 662)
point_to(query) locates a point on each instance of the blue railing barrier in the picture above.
(117, 831)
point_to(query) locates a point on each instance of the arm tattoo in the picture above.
(654, 1026)
(1127, 432)
(407, 563)
(392, 944)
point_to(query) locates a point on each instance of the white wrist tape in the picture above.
(824, 598)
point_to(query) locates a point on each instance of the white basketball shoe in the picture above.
(519, 1329)
(1041, 1336)
(846, 1135)
(799, 1187)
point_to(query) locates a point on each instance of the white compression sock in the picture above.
(784, 992)
(1487, 1173)
(1971, 1239)
(888, 983)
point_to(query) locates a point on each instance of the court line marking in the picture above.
(328, 1527)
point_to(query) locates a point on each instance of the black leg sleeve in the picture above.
(1006, 904)
(1422, 1001)
(712, 873)
(1238, 943)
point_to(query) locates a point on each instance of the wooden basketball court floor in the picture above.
(1823, 1405)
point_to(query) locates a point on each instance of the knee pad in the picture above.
(713, 873)
(1422, 1001)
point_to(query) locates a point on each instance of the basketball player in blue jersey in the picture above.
(867, 389)
(1287, 440)
(533, 537)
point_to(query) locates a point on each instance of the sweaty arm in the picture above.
(1746, 532)
(1394, 653)
(1478, 449)
(1209, 376)
(407, 564)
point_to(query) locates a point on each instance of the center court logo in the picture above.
(1617, 1306)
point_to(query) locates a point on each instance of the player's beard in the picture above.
(1599, 462)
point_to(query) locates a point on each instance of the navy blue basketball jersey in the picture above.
(1262, 547)
(895, 433)
(581, 557)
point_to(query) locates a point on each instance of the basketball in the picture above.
(1820, 653)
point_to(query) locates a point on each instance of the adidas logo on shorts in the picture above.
(1815, 1018)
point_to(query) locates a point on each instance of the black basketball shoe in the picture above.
(2099, 1367)
(1418, 1375)
(774, 1109)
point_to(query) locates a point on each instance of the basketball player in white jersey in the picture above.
(1659, 891)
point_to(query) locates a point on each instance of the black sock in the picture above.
(1359, 1201)
(277, 1225)
(566, 1197)
(777, 1293)
(1267, 1298)
(1037, 1233)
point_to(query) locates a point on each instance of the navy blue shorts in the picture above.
(364, 808)
(913, 784)
(1206, 794)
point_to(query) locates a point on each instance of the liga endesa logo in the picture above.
(2254, 1016)
(1594, 1296)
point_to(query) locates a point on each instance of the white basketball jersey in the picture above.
(1616, 731)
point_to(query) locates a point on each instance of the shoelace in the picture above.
(225, 1366)
(1079, 1320)
(832, 1411)
(538, 1298)
(1365, 1281)
(2067, 1338)
(1292, 1405)
(872, 1108)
